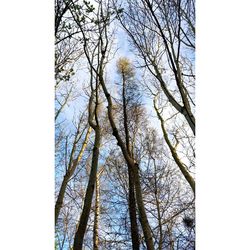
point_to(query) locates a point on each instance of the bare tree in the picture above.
(163, 34)
(155, 28)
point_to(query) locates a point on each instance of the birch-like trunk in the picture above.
(97, 214)
(97, 211)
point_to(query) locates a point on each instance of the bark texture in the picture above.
(97, 213)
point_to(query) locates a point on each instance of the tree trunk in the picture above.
(59, 201)
(142, 213)
(177, 160)
(78, 241)
(132, 202)
(132, 212)
(97, 214)
(156, 193)
(159, 223)
(69, 173)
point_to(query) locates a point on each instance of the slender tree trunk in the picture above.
(142, 213)
(68, 175)
(182, 109)
(159, 223)
(177, 160)
(62, 106)
(78, 241)
(132, 212)
(97, 214)
(59, 201)
(132, 202)
(158, 208)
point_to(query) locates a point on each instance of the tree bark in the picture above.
(78, 240)
(142, 212)
(97, 214)
(132, 212)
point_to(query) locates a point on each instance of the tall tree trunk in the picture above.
(134, 166)
(132, 202)
(159, 222)
(68, 175)
(97, 214)
(156, 193)
(132, 212)
(78, 240)
(142, 212)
